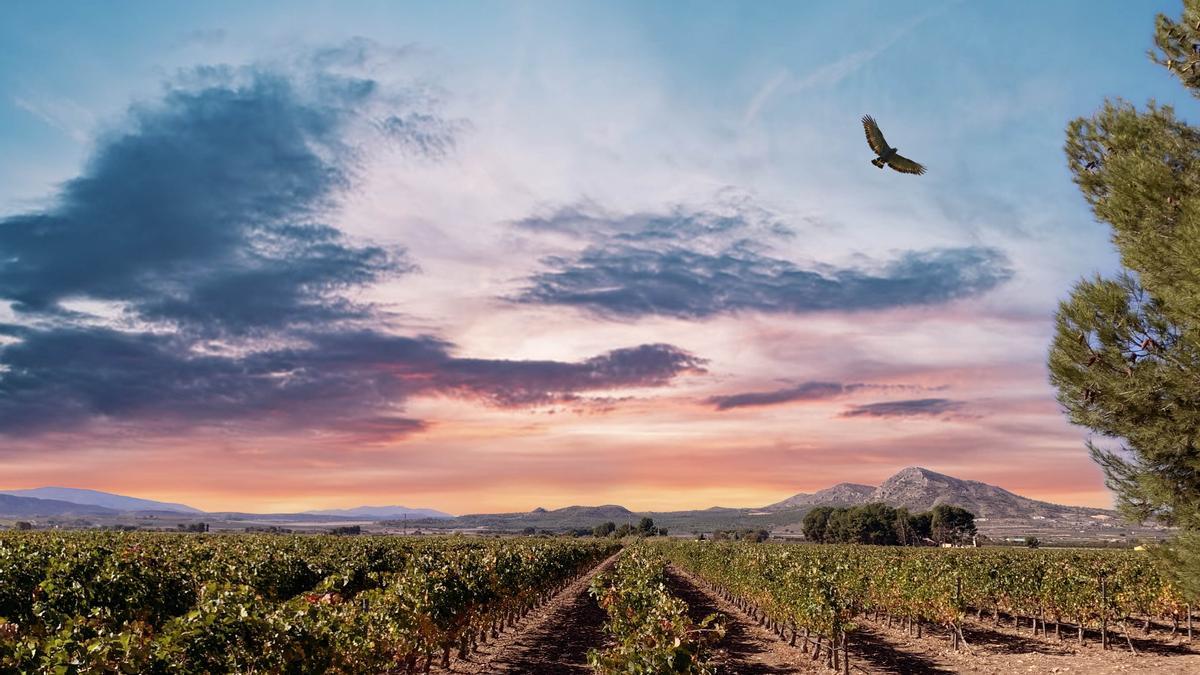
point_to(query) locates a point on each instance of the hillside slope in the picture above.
(107, 500)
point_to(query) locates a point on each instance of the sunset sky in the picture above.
(493, 256)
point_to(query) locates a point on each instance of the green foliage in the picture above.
(744, 534)
(883, 525)
(816, 523)
(822, 589)
(651, 631)
(951, 524)
(1126, 353)
(175, 603)
(604, 529)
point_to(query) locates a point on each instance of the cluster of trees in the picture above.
(883, 525)
(192, 527)
(644, 528)
(268, 529)
(745, 534)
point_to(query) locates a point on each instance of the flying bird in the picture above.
(887, 155)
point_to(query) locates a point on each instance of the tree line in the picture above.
(644, 528)
(884, 525)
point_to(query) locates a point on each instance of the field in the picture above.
(178, 603)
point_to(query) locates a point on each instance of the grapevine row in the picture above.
(163, 603)
(820, 592)
(651, 632)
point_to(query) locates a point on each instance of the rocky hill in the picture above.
(842, 494)
(919, 489)
(1000, 514)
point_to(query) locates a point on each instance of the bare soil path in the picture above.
(553, 639)
(747, 648)
(876, 648)
(1001, 650)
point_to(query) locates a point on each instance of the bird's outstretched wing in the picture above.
(874, 135)
(905, 165)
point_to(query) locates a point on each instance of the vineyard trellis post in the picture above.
(845, 654)
(1103, 612)
(958, 611)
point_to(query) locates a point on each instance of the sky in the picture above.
(494, 256)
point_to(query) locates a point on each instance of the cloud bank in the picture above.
(201, 228)
(696, 264)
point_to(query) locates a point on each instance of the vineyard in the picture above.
(178, 603)
(163, 603)
(817, 594)
(650, 627)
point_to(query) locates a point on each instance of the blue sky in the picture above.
(563, 135)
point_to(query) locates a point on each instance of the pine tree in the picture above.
(1126, 353)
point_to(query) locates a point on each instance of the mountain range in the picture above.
(999, 513)
(382, 512)
(49, 502)
(918, 489)
(29, 507)
(97, 498)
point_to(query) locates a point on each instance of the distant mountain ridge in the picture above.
(106, 500)
(1000, 513)
(382, 512)
(919, 489)
(32, 507)
(62, 501)
(842, 494)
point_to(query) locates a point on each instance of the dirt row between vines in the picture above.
(751, 649)
(553, 639)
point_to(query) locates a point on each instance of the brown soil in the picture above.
(747, 648)
(876, 648)
(553, 639)
(1001, 649)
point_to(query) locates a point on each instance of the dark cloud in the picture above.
(63, 378)
(921, 407)
(628, 281)
(205, 212)
(734, 217)
(204, 221)
(694, 263)
(807, 391)
(541, 382)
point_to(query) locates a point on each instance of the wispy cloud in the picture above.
(921, 407)
(63, 114)
(807, 391)
(803, 392)
(833, 72)
(628, 281)
(763, 95)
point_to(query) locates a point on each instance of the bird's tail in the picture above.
(877, 162)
